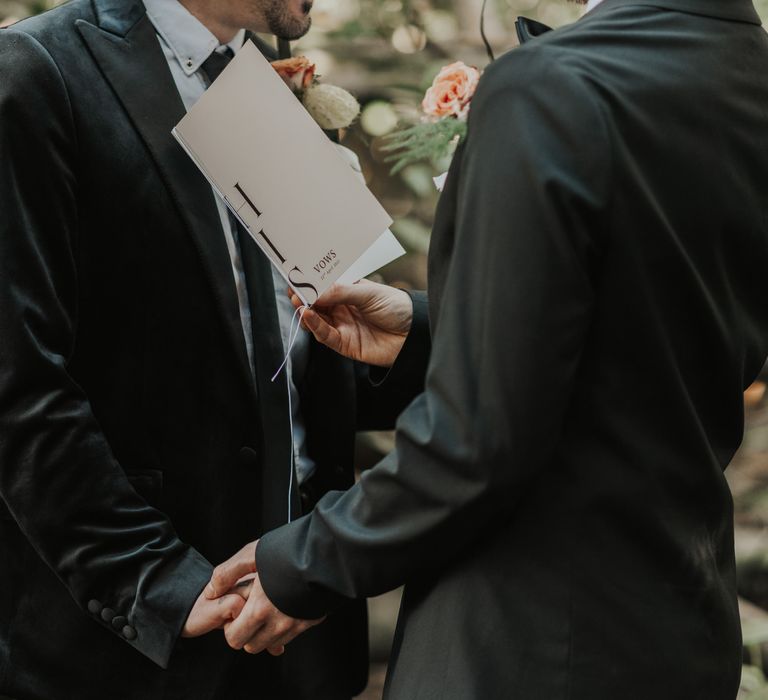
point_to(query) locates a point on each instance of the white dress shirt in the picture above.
(186, 44)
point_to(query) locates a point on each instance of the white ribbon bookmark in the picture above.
(293, 334)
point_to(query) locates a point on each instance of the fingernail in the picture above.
(210, 591)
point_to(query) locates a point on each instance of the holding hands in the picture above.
(366, 322)
(208, 615)
(235, 601)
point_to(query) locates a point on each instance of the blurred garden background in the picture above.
(386, 52)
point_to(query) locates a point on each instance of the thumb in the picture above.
(230, 606)
(336, 294)
(207, 615)
(228, 573)
(348, 294)
(217, 614)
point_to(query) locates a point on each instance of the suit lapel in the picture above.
(125, 47)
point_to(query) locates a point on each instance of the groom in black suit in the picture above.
(555, 502)
(140, 437)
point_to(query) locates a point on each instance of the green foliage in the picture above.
(413, 234)
(762, 9)
(753, 684)
(353, 29)
(428, 141)
(754, 631)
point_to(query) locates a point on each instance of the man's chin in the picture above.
(287, 23)
(292, 30)
(289, 19)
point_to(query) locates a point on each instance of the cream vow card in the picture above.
(284, 179)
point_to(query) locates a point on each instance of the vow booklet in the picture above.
(285, 180)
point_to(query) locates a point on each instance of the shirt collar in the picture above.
(188, 38)
(592, 4)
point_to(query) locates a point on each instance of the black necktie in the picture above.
(211, 68)
(258, 270)
(216, 62)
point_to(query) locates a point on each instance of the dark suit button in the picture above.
(94, 607)
(247, 458)
(119, 622)
(129, 633)
(107, 614)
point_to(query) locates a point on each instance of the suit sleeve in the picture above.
(383, 394)
(514, 313)
(58, 477)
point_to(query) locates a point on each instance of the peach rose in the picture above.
(297, 72)
(451, 91)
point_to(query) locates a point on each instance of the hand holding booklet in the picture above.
(284, 179)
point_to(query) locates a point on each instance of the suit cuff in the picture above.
(162, 606)
(282, 577)
(411, 363)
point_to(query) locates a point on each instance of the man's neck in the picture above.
(205, 12)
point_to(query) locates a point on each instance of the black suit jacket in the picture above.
(556, 500)
(135, 447)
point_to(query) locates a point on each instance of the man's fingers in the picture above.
(350, 294)
(244, 629)
(254, 616)
(243, 588)
(275, 635)
(275, 638)
(323, 331)
(260, 625)
(208, 615)
(228, 573)
(359, 294)
(333, 296)
(257, 629)
(230, 606)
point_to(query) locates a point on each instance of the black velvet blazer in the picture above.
(135, 448)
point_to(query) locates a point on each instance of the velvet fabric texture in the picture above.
(136, 449)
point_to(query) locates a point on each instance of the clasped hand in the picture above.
(235, 601)
(367, 322)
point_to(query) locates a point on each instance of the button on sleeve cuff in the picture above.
(162, 605)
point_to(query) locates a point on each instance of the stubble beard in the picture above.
(282, 23)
